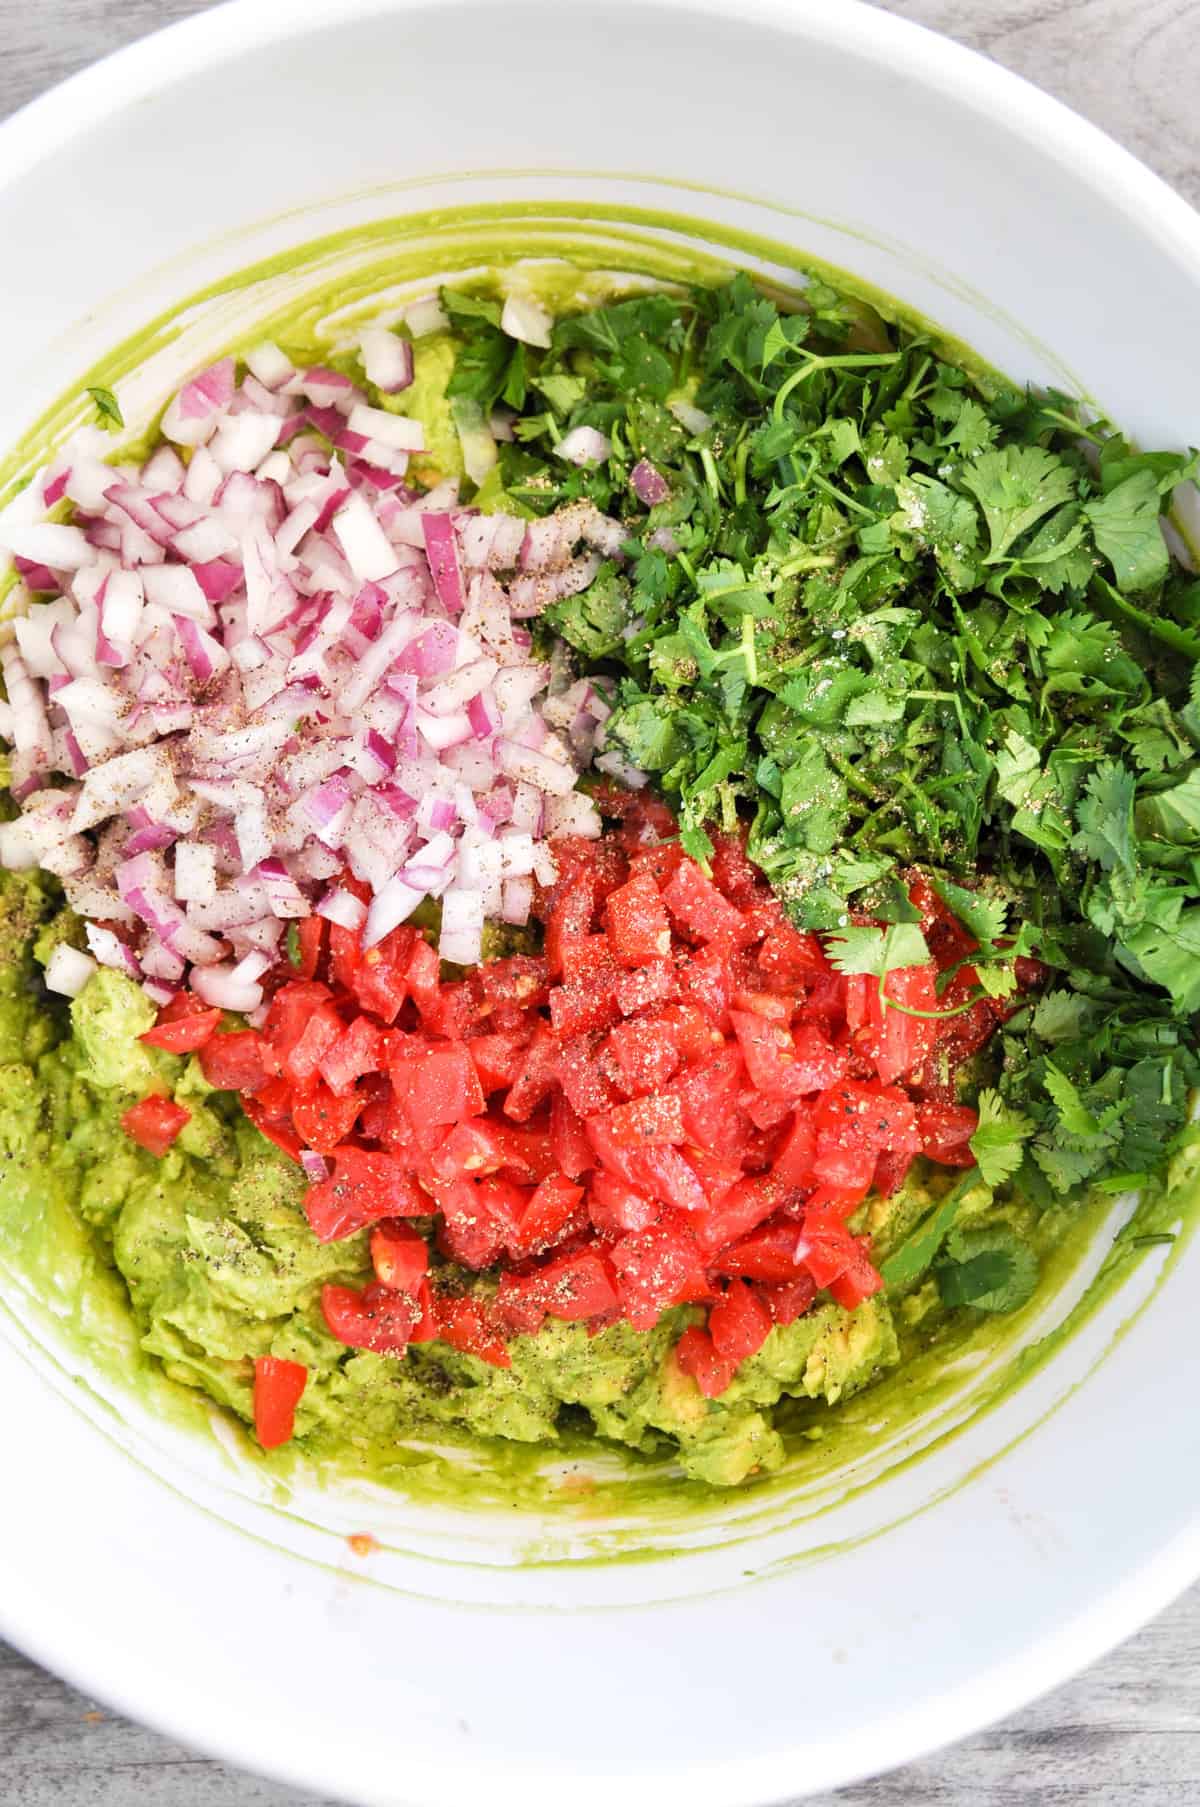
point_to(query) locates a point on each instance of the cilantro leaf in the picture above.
(1126, 528)
(877, 951)
(991, 1269)
(1015, 487)
(107, 407)
(999, 1142)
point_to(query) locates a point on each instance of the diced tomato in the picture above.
(708, 1095)
(859, 1281)
(399, 1256)
(576, 1287)
(426, 1328)
(765, 1113)
(700, 910)
(647, 1122)
(668, 1175)
(568, 1138)
(769, 1055)
(277, 1129)
(646, 1054)
(903, 1042)
(570, 919)
(819, 1064)
(768, 1004)
(789, 957)
(310, 938)
(740, 1323)
(366, 1185)
(768, 1253)
(733, 872)
(522, 980)
(375, 1319)
(615, 1207)
(577, 1070)
(355, 1053)
(466, 1325)
(382, 976)
(891, 1170)
(536, 1079)
(945, 1131)
(322, 1119)
(549, 1212)
(278, 1389)
(578, 1005)
(154, 1122)
(238, 1061)
(184, 1004)
(480, 1218)
(589, 958)
(855, 1123)
(656, 1268)
(793, 1163)
(519, 1307)
(185, 1034)
(636, 922)
(301, 1062)
(707, 981)
(691, 1029)
(658, 863)
(787, 1300)
(697, 1355)
(437, 1086)
(742, 1209)
(654, 983)
(290, 1011)
(498, 1058)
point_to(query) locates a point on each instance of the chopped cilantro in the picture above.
(108, 407)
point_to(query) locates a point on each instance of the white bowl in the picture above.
(791, 1641)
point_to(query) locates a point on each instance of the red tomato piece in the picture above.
(322, 1119)
(903, 1042)
(819, 1064)
(582, 1004)
(615, 1208)
(647, 1122)
(375, 1319)
(578, 1071)
(656, 1268)
(767, 1004)
(291, 1008)
(310, 939)
(787, 1300)
(589, 958)
(480, 1218)
(859, 1281)
(636, 921)
(536, 1079)
(185, 1034)
(700, 910)
(570, 918)
(518, 1304)
(746, 1205)
(183, 1004)
(740, 1323)
(498, 1058)
(548, 1215)
(154, 1122)
(568, 1138)
(426, 1328)
(697, 1355)
(437, 1087)
(769, 1055)
(277, 1129)
(576, 1287)
(522, 980)
(789, 957)
(708, 1095)
(399, 1256)
(707, 981)
(365, 1186)
(732, 872)
(666, 1174)
(646, 1054)
(239, 1061)
(466, 1325)
(768, 1253)
(691, 1029)
(793, 1163)
(354, 1054)
(278, 1389)
(302, 1060)
(945, 1131)
(654, 983)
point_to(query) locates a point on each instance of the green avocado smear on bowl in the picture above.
(879, 611)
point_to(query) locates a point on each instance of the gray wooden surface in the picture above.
(1127, 1732)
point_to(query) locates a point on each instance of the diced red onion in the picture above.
(342, 907)
(584, 445)
(648, 484)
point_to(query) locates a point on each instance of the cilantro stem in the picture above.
(749, 651)
(928, 1016)
(739, 472)
(854, 361)
(710, 472)
(839, 495)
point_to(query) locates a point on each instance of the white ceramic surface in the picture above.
(785, 1649)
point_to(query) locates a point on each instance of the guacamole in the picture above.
(213, 1257)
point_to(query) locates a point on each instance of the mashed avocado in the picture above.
(204, 1260)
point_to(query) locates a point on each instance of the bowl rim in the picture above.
(51, 123)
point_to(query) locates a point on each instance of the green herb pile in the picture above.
(896, 613)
